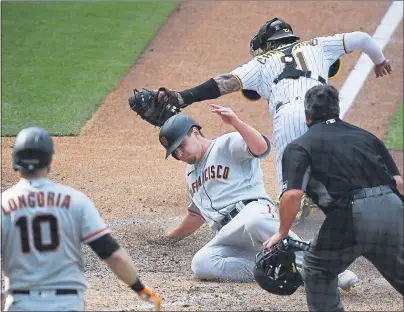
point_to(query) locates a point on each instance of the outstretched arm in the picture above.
(227, 83)
(188, 226)
(255, 141)
(362, 41)
(211, 89)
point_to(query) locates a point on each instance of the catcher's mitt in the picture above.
(147, 105)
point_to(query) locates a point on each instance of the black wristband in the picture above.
(137, 286)
(207, 91)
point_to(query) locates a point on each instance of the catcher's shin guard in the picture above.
(307, 206)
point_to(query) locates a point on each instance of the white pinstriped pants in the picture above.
(289, 124)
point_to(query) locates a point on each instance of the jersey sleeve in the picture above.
(192, 208)
(333, 47)
(249, 75)
(92, 224)
(295, 168)
(238, 149)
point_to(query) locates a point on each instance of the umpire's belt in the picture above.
(372, 192)
(57, 291)
(233, 213)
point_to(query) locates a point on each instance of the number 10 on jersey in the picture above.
(34, 229)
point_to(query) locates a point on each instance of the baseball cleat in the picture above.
(347, 279)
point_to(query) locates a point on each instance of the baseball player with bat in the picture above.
(281, 71)
(43, 225)
(226, 190)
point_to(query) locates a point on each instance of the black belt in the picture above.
(58, 291)
(372, 192)
(232, 214)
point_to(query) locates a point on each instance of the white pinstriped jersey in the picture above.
(315, 55)
(227, 174)
(43, 226)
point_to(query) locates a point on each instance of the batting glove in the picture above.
(148, 295)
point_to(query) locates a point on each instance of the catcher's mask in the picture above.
(272, 30)
(173, 132)
(32, 150)
(275, 270)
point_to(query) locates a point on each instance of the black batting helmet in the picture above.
(174, 130)
(275, 270)
(32, 150)
(274, 29)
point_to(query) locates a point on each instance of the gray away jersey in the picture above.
(43, 226)
(227, 173)
(316, 55)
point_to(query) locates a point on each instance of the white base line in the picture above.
(138, 221)
(351, 87)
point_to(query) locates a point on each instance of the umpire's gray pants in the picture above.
(374, 230)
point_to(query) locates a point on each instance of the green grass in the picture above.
(394, 137)
(61, 59)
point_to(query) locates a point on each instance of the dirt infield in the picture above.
(120, 164)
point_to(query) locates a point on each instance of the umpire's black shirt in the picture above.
(332, 160)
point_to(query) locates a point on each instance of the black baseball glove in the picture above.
(155, 108)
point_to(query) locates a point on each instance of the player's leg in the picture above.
(289, 124)
(223, 263)
(230, 255)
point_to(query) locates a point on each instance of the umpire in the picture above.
(353, 179)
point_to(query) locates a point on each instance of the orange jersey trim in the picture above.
(197, 213)
(95, 233)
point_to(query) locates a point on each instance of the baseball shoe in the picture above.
(347, 279)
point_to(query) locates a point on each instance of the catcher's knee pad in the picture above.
(307, 207)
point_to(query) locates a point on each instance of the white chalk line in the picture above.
(138, 221)
(353, 84)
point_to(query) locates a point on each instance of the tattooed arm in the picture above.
(227, 83)
(212, 89)
(247, 77)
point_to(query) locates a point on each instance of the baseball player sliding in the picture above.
(226, 190)
(43, 226)
(281, 71)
